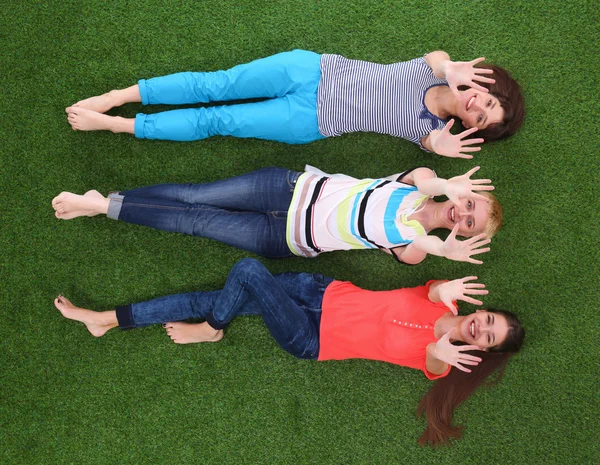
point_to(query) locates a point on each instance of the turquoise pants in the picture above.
(289, 81)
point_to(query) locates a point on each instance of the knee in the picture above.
(248, 267)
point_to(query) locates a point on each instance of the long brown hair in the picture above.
(449, 392)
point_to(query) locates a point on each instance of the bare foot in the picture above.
(69, 206)
(82, 119)
(189, 333)
(100, 103)
(97, 323)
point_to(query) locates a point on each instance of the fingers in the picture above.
(450, 305)
(468, 362)
(479, 251)
(449, 125)
(482, 188)
(452, 234)
(468, 278)
(479, 60)
(475, 285)
(475, 238)
(484, 79)
(479, 140)
(476, 86)
(474, 262)
(467, 349)
(472, 171)
(481, 181)
(470, 149)
(476, 291)
(461, 368)
(463, 155)
(468, 132)
(471, 301)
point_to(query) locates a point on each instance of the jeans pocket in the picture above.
(292, 178)
(323, 281)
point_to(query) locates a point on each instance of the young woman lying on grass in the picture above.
(315, 317)
(276, 213)
(310, 96)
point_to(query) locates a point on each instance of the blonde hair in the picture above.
(494, 215)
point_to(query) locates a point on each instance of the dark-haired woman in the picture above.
(307, 96)
(278, 213)
(315, 317)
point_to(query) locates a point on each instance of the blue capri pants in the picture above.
(287, 81)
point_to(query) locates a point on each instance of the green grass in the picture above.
(134, 397)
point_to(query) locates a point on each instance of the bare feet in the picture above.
(97, 323)
(100, 103)
(69, 206)
(82, 119)
(188, 333)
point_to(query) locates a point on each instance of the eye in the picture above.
(469, 224)
(469, 204)
(479, 118)
(488, 319)
(489, 340)
(489, 104)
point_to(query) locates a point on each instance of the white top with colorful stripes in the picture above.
(339, 212)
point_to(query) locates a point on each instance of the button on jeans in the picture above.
(289, 303)
(248, 211)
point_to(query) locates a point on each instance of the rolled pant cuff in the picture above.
(210, 319)
(114, 205)
(143, 91)
(125, 317)
(138, 126)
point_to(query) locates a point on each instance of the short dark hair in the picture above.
(508, 93)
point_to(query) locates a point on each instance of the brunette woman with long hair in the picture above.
(315, 317)
(307, 97)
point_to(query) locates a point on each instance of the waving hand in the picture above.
(453, 355)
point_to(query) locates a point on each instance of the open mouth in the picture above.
(470, 102)
(451, 214)
(472, 329)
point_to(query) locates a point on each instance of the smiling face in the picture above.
(484, 329)
(478, 109)
(471, 214)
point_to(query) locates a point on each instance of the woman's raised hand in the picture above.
(463, 186)
(458, 290)
(464, 73)
(446, 144)
(453, 355)
(461, 251)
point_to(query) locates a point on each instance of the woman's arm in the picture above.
(437, 61)
(433, 364)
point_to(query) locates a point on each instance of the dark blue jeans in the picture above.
(248, 211)
(290, 304)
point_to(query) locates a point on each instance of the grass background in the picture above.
(135, 397)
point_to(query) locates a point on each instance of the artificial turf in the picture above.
(134, 397)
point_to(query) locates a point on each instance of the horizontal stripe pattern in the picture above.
(362, 96)
(338, 212)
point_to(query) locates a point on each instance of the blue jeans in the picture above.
(289, 81)
(290, 304)
(248, 211)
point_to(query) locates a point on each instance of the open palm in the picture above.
(446, 144)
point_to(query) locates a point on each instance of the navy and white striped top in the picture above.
(358, 95)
